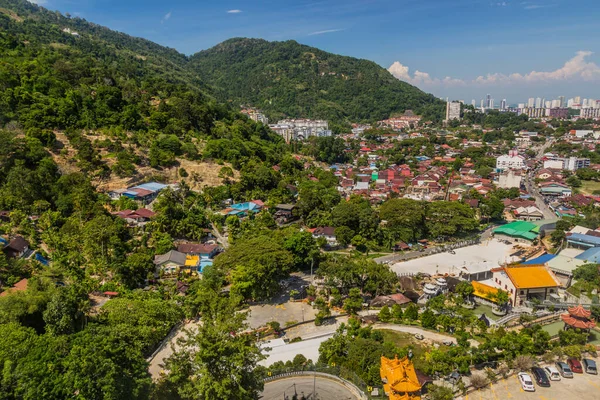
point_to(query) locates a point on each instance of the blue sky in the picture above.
(462, 49)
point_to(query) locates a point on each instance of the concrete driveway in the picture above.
(325, 389)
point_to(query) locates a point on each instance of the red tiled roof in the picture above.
(198, 248)
(579, 311)
(18, 287)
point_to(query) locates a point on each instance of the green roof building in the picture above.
(518, 230)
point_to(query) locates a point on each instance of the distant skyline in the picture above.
(461, 49)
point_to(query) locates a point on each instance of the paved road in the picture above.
(310, 347)
(326, 389)
(167, 350)
(532, 189)
(220, 238)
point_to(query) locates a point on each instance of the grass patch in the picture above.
(484, 309)
(554, 328)
(402, 339)
(588, 187)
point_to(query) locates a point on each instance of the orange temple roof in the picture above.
(400, 377)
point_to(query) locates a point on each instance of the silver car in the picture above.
(564, 369)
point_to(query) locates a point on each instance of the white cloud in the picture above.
(166, 17)
(401, 72)
(325, 31)
(577, 68)
(236, 11)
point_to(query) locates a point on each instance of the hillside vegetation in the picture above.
(123, 103)
(294, 80)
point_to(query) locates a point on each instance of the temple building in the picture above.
(578, 317)
(400, 379)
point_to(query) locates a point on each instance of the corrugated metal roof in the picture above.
(152, 186)
(588, 239)
(543, 259)
(591, 255)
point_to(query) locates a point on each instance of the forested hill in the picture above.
(290, 79)
(124, 103)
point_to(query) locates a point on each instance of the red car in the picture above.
(575, 365)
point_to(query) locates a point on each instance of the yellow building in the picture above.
(400, 379)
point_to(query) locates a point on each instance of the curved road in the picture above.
(310, 347)
(326, 389)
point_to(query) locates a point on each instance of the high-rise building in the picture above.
(503, 104)
(488, 98)
(521, 106)
(473, 103)
(538, 102)
(577, 100)
(548, 104)
(452, 110)
(531, 102)
(491, 104)
(482, 104)
(562, 101)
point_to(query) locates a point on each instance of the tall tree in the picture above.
(218, 360)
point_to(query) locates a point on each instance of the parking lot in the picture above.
(491, 252)
(581, 387)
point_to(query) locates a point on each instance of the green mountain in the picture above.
(124, 103)
(294, 80)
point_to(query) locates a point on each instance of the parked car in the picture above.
(575, 365)
(419, 336)
(564, 369)
(540, 377)
(526, 382)
(552, 373)
(590, 366)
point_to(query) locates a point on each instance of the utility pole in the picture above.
(314, 396)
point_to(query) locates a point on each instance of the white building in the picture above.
(255, 115)
(571, 163)
(284, 130)
(452, 110)
(301, 129)
(509, 179)
(553, 164)
(575, 163)
(589, 113)
(510, 161)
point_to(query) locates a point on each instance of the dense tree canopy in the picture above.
(290, 79)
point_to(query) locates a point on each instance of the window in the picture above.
(522, 292)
